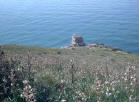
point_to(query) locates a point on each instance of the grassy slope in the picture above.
(80, 51)
(84, 58)
(82, 55)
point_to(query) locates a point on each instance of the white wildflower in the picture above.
(63, 100)
(25, 81)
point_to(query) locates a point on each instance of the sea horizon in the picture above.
(52, 23)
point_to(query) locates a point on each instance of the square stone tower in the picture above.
(77, 40)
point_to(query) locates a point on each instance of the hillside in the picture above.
(77, 68)
(83, 55)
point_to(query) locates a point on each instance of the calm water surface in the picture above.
(51, 23)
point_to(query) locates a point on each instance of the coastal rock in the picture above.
(77, 40)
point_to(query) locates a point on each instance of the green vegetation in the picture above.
(67, 75)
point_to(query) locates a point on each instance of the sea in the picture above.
(51, 23)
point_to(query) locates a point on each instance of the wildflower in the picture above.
(21, 95)
(106, 82)
(81, 95)
(28, 93)
(113, 89)
(4, 80)
(63, 100)
(108, 94)
(107, 89)
(25, 81)
(134, 79)
(62, 81)
(19, 69)
(126, 87)
(125, 79)
(131, 97)
(131, 83)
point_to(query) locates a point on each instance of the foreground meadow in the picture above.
(35, 74)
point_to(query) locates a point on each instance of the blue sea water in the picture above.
(51, 23)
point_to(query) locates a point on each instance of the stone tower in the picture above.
(77, 40)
